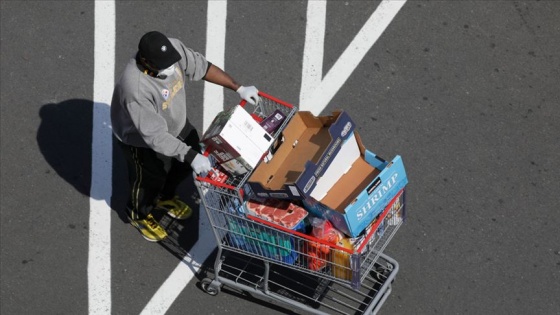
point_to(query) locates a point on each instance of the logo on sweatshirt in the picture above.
(165, 94)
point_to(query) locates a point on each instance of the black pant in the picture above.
(152, 175)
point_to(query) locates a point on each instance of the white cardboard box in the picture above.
(234, 134)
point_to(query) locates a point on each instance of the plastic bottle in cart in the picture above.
(341, 260)
(318, 253)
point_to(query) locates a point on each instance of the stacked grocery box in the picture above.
(323, 163)
(316, 179)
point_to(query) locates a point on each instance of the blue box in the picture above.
(309, 146)
(361, 194)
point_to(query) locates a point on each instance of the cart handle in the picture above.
(270, 97)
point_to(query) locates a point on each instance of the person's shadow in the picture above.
(65, 138)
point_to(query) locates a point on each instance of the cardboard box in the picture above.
(236, 140)
(349, 153)
(360, 194)
(310, 145)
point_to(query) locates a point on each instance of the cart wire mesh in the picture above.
(317, 294)
(289, 265)
(238, 232)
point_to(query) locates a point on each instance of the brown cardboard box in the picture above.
(310, 144)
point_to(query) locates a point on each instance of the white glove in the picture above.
(201, 164)
(250, 94)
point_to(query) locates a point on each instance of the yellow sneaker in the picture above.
(150, 229)
(175, 208)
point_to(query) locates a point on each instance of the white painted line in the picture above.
(313, 50)
(213, 104)
(215, 48)
(185, 271)
(316, 94)
(99, 257)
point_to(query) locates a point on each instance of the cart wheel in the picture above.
(207, 286)
(380, 273)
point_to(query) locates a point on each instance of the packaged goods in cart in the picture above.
(361, 239)
(252, 238)
(247, 235)
(217, 176)
(323, 230)
(236, 140)
(397, 213)
(318, 253)
(273, 122)
(341, 260)
(281, 212)
(367, 238)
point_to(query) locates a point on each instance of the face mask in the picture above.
(167, 72)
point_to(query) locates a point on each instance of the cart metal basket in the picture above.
(290, 266)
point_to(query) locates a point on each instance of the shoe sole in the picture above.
(150, 240)
(177, 218)
(168, 212)
(145, 237)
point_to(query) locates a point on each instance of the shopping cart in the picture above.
(289, 265)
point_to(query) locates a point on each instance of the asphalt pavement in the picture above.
(465, 91)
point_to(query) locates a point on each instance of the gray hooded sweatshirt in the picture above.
(150, 112)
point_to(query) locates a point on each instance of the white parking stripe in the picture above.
(312, 67)
(185, 270)
(215, 47)
(99, 258)
(213, 104)
(316, 94)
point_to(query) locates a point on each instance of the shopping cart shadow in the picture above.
(207, 271)
(315, 292)
(183, 235)
(178, 247)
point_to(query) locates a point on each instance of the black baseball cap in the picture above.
(158, 50)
